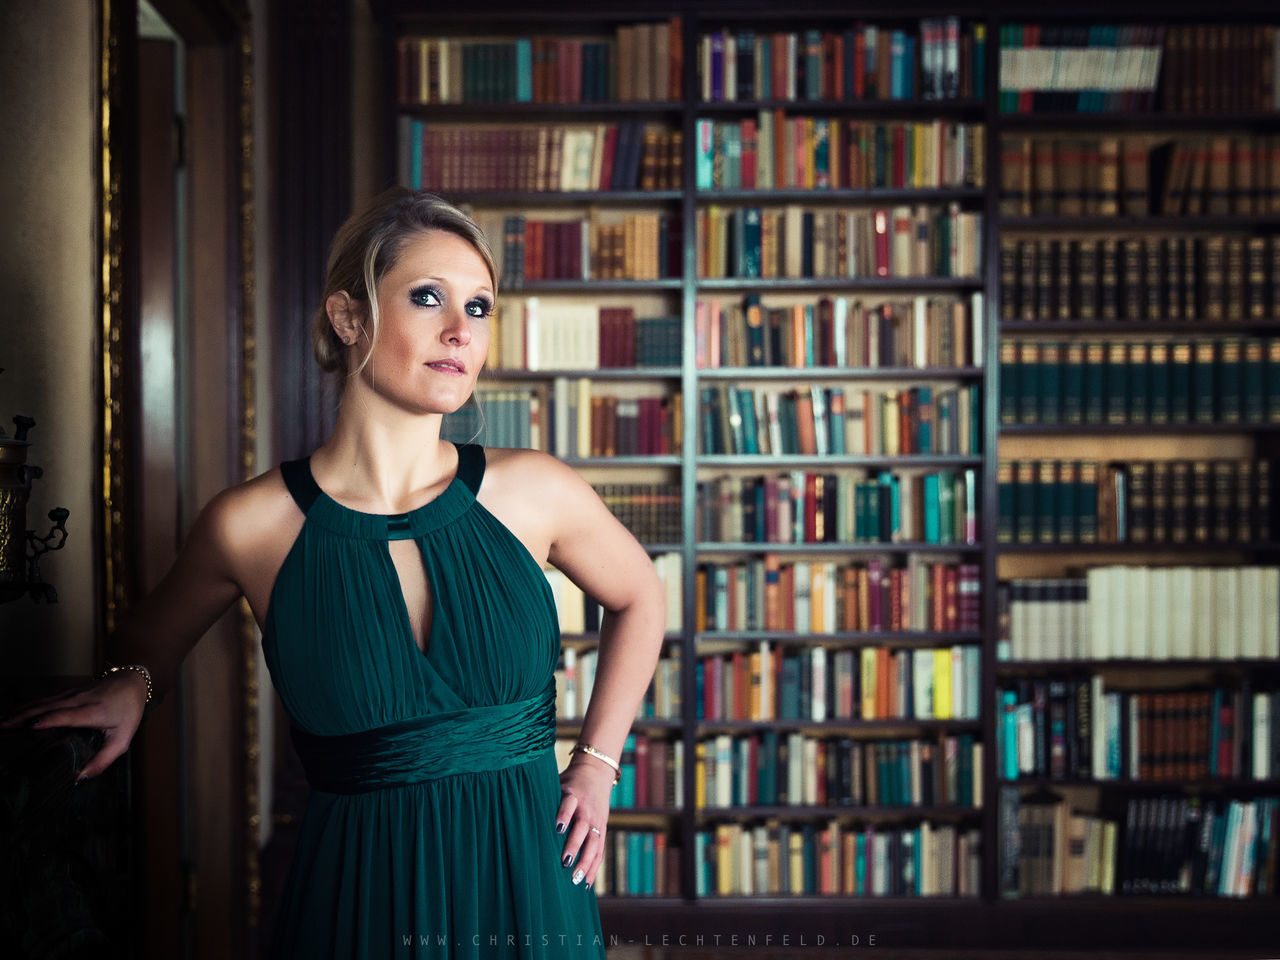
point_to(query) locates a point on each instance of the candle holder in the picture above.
(20, 548)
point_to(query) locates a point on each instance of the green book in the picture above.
(1087, 502)
(1158, 382)
(1094, 382)
(947, 506)
(1180, 382)
(1228, 380)
(1047, 502)
(1073, 382)
(1029, 374)
(1117, 389)
(1065, 500)
(1272, 378)
(1253, 382)
(1004, 502)
(1139, 382)
(1051, 382)
(1203, 381)
(1010, 382)
(1025, 501)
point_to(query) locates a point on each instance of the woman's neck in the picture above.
(384, 464)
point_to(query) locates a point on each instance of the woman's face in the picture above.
(434, 307)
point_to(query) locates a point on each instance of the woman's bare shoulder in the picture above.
(527, 474)
(245, 515)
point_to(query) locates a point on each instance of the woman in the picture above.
(409, 629)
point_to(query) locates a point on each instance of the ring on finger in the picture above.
(595, 830)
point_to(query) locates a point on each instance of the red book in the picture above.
(1226, 741)
(749, 148)
(740, 682)
(1030, 38)
(564, 71)
(859, 64)
(938, 591)
(642, 770)
(810, 505)
(607, 154)
(779, 79)
(875, 621)
(952, 606)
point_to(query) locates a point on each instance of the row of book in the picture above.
(651, 774)
(1079, 730)
(794, 242)
(1058, 851)
(827, 596)
(775, 151)
(547, 158)
(1138, 176)
(643, 246)
(816, 684)
(642, 61)
(1150, 277)
(1086, 68)
(780, 858)
(1166, 845)
(942, 59)
(821, 420)
(638, 862)
(772, 770)
(922, 331)
(1141, 502)
(1141, 613)
(575, 678)
(580, 614)
(1220, 380)
(569, 420)
(1202, 68)
(543, 334)
(651, 511)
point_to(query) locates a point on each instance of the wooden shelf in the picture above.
(889, 109)
(828, 812)
(846, 724)
(554, 198)
(896, 284)
(837, 548)
(870, 196)
(833, 461)
(1130, 328)
(839, 373)
(1152, 429)
(901, 638)
(1155, 222)
(601, 373)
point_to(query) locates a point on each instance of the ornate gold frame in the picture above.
(112, 307)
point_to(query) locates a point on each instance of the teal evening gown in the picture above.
(430, 831)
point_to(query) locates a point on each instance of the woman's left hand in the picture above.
(585, 786)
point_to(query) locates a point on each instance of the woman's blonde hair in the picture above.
(369, 244)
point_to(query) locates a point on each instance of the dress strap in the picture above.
(471, 465)
(302, 485)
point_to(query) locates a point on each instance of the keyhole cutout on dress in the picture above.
(406, 556)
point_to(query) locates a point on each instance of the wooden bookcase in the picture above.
(988, 918)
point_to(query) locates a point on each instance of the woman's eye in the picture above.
(479, 309)
(425, 297)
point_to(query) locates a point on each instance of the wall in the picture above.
(48, 315)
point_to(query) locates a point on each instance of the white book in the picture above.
(723, 754)
(1099, 614)
(766, 681)
(972, 685)
(1098, 727)
(1226, 601)
(1262, 736)
(920, 333)
(1250, 584)
(840, 325)
(809, 770)
(957, 682)
(818, 657)
(1118, 612)
(977, 312)
(1158, 614)
(922, 674)
(532, 333)
(1137, 605)
(1202, 636)
(1181, 613)
(570, 656)
(1271, 599)
(795, 764)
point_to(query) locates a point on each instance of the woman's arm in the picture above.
(157, 633)
(585, 541)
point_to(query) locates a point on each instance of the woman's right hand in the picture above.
(113, 705)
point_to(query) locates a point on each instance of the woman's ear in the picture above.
(344, 316)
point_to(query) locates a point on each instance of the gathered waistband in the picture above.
(431, 747)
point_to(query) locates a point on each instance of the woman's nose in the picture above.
(457, 330)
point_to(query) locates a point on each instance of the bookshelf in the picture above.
(972, 271)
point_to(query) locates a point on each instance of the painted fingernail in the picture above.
(560, 826)
(589, 885)
(81, 779)
(577, 876)
(568, 859)
(34, 723)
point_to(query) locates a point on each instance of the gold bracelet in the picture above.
(137, 667)
(581, 747)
